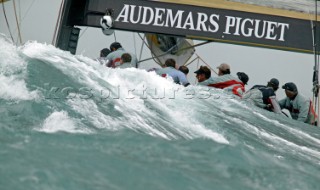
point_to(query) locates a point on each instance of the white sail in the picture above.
(165, 47)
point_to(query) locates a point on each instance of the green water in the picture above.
(50, 139)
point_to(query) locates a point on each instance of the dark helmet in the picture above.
(243, 77)
(170, 63)
(290, 86)
(184, 69)
(274, 83)
(104, 52)
(115, 45)
(204, 70)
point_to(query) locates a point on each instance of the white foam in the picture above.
(13, 74)
(15, 89)
(89, 110)
(280, 143)
(134, 114)
(183, 117)
(60, 121)
(297, 133)
(11, 62)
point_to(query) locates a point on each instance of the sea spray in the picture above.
(75, 137)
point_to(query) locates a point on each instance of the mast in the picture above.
(315, 79)
(68, 35)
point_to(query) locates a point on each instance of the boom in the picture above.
(291, 32)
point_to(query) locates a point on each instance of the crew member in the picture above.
(239, 89)
(184, 69)
(125, 61)
(103, 54)
(169, 69)
(114, 57)
(264, 96)
(300, 107)
(203, 75)
(224, 80)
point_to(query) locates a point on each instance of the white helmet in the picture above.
(106, 22)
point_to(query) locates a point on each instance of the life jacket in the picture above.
(266, 93)
(312, 116)
(236, 86)
(268, 98)
(275, 107)
(115, 58)
(237, 89)
(225, 84)
(116, 62)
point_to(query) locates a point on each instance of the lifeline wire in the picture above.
(5, 15)
(57, 23)
(15, 13)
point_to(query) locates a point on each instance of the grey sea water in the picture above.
(69, 123)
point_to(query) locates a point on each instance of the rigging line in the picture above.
(207, 64)
(191, 61)
(143, 39)
(315, 77)
(316, 38)
(24, 16)
(316, 11)
(317, 122)
(83, 32)
(145, 43)
(198, 63)
(315, 43)
(316, 62)
(152, 55)
(196, 81)
(19, 15)
(18, 26)
(5, 15)
(182, 48)
(57, 24)
(142, 45)
(19, 5)
(134, 43)
(200, 59)
(157, 61)
(114, 35)
(206, 42)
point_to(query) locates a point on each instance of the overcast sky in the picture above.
(39, 18)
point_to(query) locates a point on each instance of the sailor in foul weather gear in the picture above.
(224, 80)
(264, 96)
(300, 107)
(184, 69)
(203, 74)
(103, 54)
(171, 71)
(114, 57)
(240, 89)
(125, 61)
